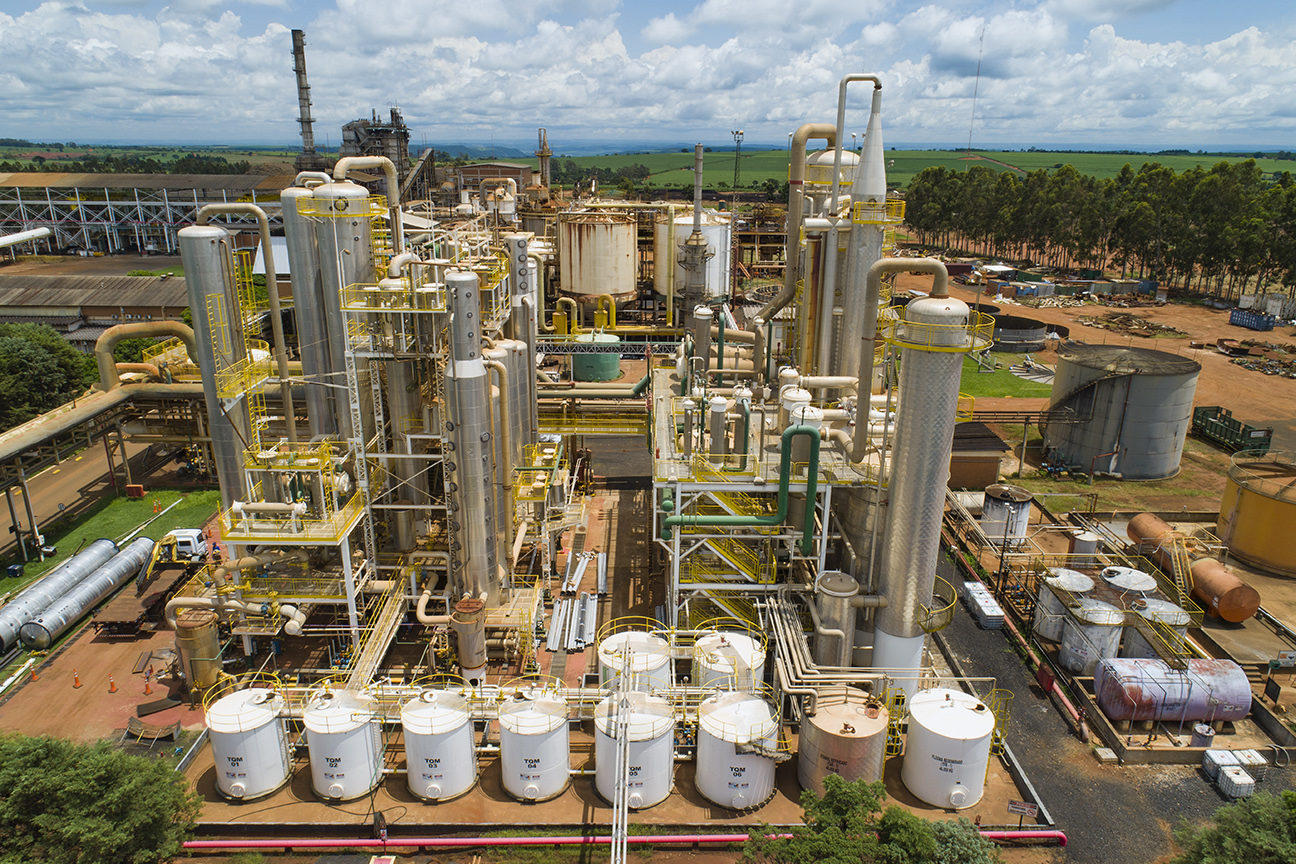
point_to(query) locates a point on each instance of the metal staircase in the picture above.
(385, 623)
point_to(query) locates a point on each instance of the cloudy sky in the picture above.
(1099, 73)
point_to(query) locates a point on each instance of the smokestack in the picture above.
(308, 159)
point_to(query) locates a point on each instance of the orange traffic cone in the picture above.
(112, 685)
(34, 676)
(148, 688)
(76, 680)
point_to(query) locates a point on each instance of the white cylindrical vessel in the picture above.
(440, 760)
(716, 230)
(1050, 610)
(249, 744)
(1158, 612)
(645, 656)
(345, 746)
(1005, 514)
(1090, 632)
(650, 730)
(947, 751)
(1084, 546)
(845, 736)
(535, 750)
(728, 660)
(725, 776)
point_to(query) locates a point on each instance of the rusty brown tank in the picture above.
(1217, 588)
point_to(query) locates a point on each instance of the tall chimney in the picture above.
(308, 159)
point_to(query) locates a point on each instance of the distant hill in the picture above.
(480, 151)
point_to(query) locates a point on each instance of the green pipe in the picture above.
(638, 389)
(785, 471)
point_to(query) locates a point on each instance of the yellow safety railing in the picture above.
(328, 528)
(999, 703)
(342, 208)
(940, 612)
(169, 352)
(246, 374)
(250, 306)
(888, 212)
(975, 335)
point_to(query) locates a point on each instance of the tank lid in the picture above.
(728, 651)
(1006, 492)
(1069, 580)
(1092, 611)
(334, 711)
(650, 716)
(857, 717)
(646, 651)
(1161, 611)
(951, 714)
(532, 714)
(1129, 579)
(244, 710)
(598, 338)
(835, 583)
(737, 716)
(434, 711)
(1126, 360)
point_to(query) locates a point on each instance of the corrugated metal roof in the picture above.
(228, 182)
(93, 291)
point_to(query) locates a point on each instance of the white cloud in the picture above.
(667, 29)
(1104, 10)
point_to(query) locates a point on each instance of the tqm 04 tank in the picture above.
(1132, 408)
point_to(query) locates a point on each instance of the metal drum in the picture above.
(650, 730)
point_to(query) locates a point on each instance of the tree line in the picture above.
(190, 163)
(1216, 231)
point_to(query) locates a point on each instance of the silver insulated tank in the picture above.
(62, 579)
(1139, 403)
(54, 621)
(308, 311)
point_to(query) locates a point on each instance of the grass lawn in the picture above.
(1000, 382)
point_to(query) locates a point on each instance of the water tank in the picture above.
(345, 746)
(646, 656)
(1148, 689)
(1157, 611)
(1258, 509)
(1050, 610)
(1139, 405)
(197, 640)
(845, 736)
(600, 366)
(596, 254)
(1084, 546)
(1014, 333)
(947, 751)
(56, 619)
(1005, 514)
(716, 228)
(534, 746)
(736, 731)
(651, 759)
(728, 660)
(249, 743)
(1127, 579)
(440, 761)
(1091, 632)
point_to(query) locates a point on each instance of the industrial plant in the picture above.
(415, 593)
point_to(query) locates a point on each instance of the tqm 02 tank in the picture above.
(1132, 408)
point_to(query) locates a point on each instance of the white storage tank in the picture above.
(596, 254)
(1050, 611)
(535, 749)
(645, 656)
(249, 743)
(1091, 632)
(727, 659)
(1128, 579)
(650, 730)
(1157, 611)
(440, 760)
(947, 752)
(345, 746)
(716, 229)
(732, 727)
(1005, 514)
(845, 736)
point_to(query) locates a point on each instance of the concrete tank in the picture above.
(646, 657)
(1156, 611)
(345, 746)
(600, 366)
(1014, 333)
(249, 743)
(440, 760)
(1090, 632)
(1139, 402)
(1148, 689)
(1258, 509)
(197, 642)
(726, 776)
(1050, 610)
(650, 731)
(596, 255)
(947, 751)
(717, 230)
(728, 660)
(846, 736)
(535, 749)
(1005, 514)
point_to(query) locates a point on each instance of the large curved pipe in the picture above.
(272, 293)
(841, 130)
(107, 341)
(346, 163)
(147, 368)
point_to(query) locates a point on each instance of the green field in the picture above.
(1000, 382)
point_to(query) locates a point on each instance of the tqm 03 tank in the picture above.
(1133, 407)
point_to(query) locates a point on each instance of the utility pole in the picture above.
(737, 136)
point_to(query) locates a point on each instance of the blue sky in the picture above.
(1097, 73)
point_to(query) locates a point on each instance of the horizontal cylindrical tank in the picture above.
(345, 746)
(1258, 509)
(1005, 514)
(197, 642)
(1015, 333)
(600, 366)
(1158, 612)
(535, 748)
(1148, 689)
(37, 597)
(650, 734)
(1139, 405)
(596, 254)
(845, 736)
(1050, 610)
(40, 633)
(947, 751)
(716, 229)
(645, 656)
(1222, 592)
(736, 739)
(1091, 631)
(249, 743)
(1125, 579)
(440, 760)
(728, 660)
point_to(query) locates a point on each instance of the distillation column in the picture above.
(309, 312)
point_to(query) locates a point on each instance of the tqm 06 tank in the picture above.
(1134, 407)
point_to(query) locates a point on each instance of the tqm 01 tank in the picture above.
(596, 255)
(1135, 406)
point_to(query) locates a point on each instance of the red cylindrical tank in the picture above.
(1148, 689)
(1222, 592)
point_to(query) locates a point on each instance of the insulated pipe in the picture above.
(841, 130)
(303, 177)
(506, 443)
(147, 368)
(107, 341)
(272, 293)
(346, 163)
(24, 236)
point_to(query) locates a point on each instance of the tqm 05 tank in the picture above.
(845, 736)
(737, 734)
(1134, 405)
(345, 746)
(440, 760)
(1148, 689)
(650, 734)
(948, 748)
(596, 255)
(249, 743)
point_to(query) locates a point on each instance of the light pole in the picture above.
(737, 136)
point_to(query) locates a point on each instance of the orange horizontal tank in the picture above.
(1223, 593)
